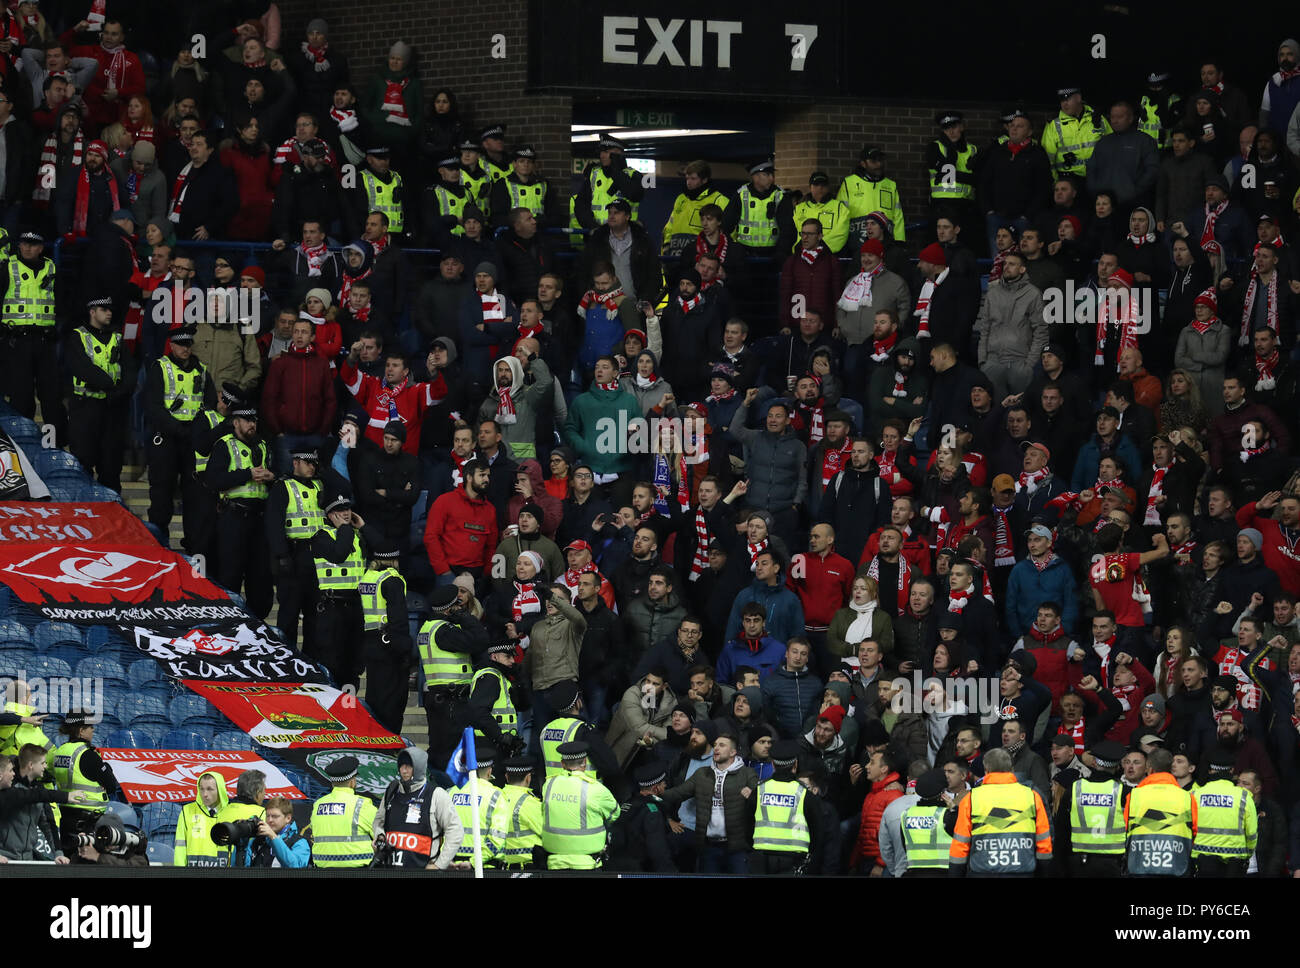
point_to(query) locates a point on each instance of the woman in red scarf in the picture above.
(896, 461)
(1203, 348)
(137, 118)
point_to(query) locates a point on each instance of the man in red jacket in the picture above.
(886, 787)
(394, 397)
(118, 76)
(298, 402)
(823, 581)
(461, 532)
(1281, 549)
(810, 273)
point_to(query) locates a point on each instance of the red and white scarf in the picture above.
(345, 119)
(316, 55)
(394, 106)
(457, 465)
(81, 207)
(1247, 309)
(904, 580)
(573, 574)
(1140, 240)
(380, 244)
(900, 384)
(1004, 552)
(1264, 370)
(315, 255)
(1041, 563)
(887, 461)
(1076, 733)
(607, 299)
(834, 459)
(881, 348)
(923, 309)
(720, 250)
(115, 72)
(688, 304)
(1186, 548)
(1202, 326)
(1128, 326)
(1152, 516)
(858, 293)
(754, 551)
(45, 181)
(939, 517)
(1000, 260)
(527, 601)
(505, 406)
(813, 417)
(179, 188)
(700, 560)
(493, 308)
(608, 386)
(809, 256)
(98, 10)
(527, 330)
(1246, 453)
(1029, 480)
(957, 599)
(1208, 242)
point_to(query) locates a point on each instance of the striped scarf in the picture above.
(1128, 326)
(315, 256)
(1004, 552)
(493, 309)
(904, 580)
(1248, 306)
(346, 120)
(527, 601)
(50, 163)
(81, 205)
(394, 105)
(702, 247)
(809, 256)
(607, 299)
(923, 310)
(1264, 368)
(700, 560)
(1152, 516)
(754, 551)
(833, 459)
(1208, 242)
(179, 188)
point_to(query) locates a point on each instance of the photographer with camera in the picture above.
(416, 825)
(27, 831)
(239, 821)
(278, 842)
(116, 840)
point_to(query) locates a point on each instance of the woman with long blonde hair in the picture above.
(1182, 406)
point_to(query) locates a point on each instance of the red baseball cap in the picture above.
(1025, 445)
(578, 545)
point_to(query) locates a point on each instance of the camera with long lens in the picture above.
(85, 840)
(230, 832)
(110, 838)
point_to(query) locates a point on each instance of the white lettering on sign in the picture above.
(619, 41)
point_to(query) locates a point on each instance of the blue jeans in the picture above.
(716, 859)
(286, 444)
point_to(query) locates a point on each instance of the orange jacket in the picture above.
(960, 846)
(1167, 778)
(883, 793)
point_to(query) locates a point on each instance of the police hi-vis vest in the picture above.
(488, 801)
(497, 172)
(244, 458)
(1159, 830)
(1149, 119)
(1222, 828)
(303, 516)
(757, 226)
(602, 193)
(441, 668)
(331, 577)
(1097, 817)
(779, 820)
(1078, 135)
(531, 196)
(478, 189)
(105, 356)
(381, 196)
(14, 738)
(557, 732)
(517, 825)
(503, 710)
(832, 213)
(449, 203)
(374, 607)
(201, 456)
(684, 220)
(924, 838)
(572, 825)
(183, 385)
(65, 765)
(29, 300)
(1002, 829)
(944, 183)
(342, 825)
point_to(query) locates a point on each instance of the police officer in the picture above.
(337, 553)
(781, 832)
(491, 710)
(1159, 109)
(1160, 819)
(20, 723)
(754, 213)
(380, 189)
(1096, 838)
(27, 317)
(238, 470)
(342, 823)
(683, 223)
(1001, 828)
(443, 204)
(102, 380)
(1071, 137)
(603, 181)
(293, 516)
(77, 768)
(1227, 825)
(517, 821)
(416, 825)
(492, 143)
(818, 204)
(577, 809)
(568, 726)
(865, 190)
(449, 643)
(950, 162)
(386, 638)
(476, 179)
(639, 841)
(210, 426)
(486, 803)
(179, 387)
(925, 838)
(522, 188)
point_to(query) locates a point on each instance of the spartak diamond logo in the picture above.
(115, 571)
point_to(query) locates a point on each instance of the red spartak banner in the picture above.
(32, 522)
(150, 776)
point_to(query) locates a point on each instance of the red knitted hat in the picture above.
(934, 254)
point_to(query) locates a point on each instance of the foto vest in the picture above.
(1222, 828)
(65, 765)
(531, 196)
(244, 458)
(342, 826)
(105, 356)
(1078, 135)
(441, 668)
(332, 577)
(487, 805)
(924, 838)
(185, 386)
(1002, 829)
(556, 734)
(517, 825)
(1159, 830)
(757, 225)
(780, 824)
(374, 607)
(684, 220)
(834, 216)
(14, 738)
(571, 827)
(1097, 817)
(478, 189)
(864, 196)
(503, 710)
(381, 196)
(29, 300)
(201, 457)
(944, 180)
(303, 516)
(408, 828)
(449, 203)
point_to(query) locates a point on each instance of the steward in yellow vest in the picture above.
(577, 809)
(178, 390)
(491, 711)
(818, 204)
(380, 189)
(1160, 818)
(449, 643)
(865, 190)
(239, 471)
(342, 823)
(1002, 827)
(602, 182)
(925, 839)
(20, 724)
(684, 221)
(386, 645)
(194, 846)
(339, 559)
(293, 516)
(103, 378)
(782, 834)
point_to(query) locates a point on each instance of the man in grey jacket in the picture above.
(872, 289)
(1012, 330)
(514, 404)
(138, 178)
(775, 462)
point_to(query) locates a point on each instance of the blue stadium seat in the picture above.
(183, 739)
(67, 652)
(51, 634)
(48, 667)
(99, 494)
(153, 725)
(108, 723)
(16, 661)
(100, 638)
(134, 705)
(57, 463)
(189, 706)
(130, 739)
(160, 689)
(110, 670)
(14, 635)
(142, 671)
(160, 853)
(160, 818)
(232, 740)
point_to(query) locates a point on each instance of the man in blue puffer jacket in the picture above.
(1042, 577)
(792, 693)
(782, 608)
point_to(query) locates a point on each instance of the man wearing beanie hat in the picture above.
(392, 104)
(1282, 93)
(945, 310)
(1221, 228)
(318, 69)
(149, 185)
(388, 485)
